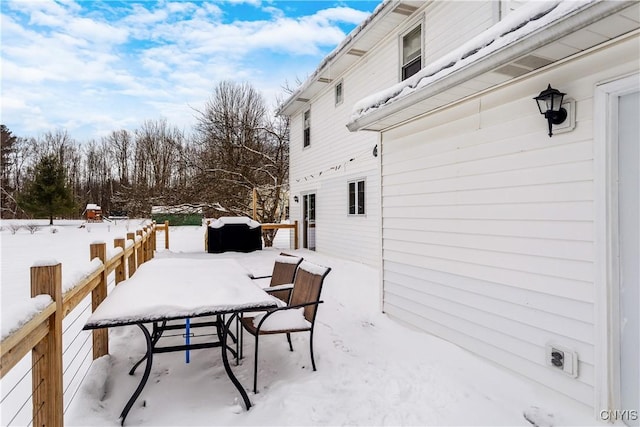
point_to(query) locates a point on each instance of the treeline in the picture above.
(237, 146)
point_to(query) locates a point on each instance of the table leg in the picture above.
(155, 336)
(145, 375)
(225, 360)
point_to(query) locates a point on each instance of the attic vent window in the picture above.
(412, 52)
(307, 128)
(339, 94)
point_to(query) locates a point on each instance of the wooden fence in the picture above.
(293, 226)
(42, 335)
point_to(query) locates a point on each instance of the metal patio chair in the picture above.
(281, 279)
(279, 285)
(298, 316)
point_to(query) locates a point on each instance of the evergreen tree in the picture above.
(47, 195)
(7, 147)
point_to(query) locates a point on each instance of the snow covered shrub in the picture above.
(13, 228)
(32, 227)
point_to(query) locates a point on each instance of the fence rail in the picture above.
(42, 335)
(279, 226)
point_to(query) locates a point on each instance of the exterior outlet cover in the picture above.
(562, 358)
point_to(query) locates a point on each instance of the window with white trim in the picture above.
(411, 52)
(306, 137)
(356, 197)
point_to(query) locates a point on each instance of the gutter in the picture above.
(538, 38)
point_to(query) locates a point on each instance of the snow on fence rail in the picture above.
(43, 334)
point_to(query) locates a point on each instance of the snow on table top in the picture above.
(179, 288)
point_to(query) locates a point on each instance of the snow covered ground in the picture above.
(372, 370)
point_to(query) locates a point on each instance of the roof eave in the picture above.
(375, 120)
(299, 96)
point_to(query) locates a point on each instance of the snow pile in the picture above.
(283, 320)
(84, 270)
(21, 312)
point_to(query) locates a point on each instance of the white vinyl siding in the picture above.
(488, 236)
(449, 23)
(333, 145)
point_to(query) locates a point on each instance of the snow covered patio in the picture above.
(371, 370)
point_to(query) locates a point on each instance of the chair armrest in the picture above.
(252, 277)
(283, 287)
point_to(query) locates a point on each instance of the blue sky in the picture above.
(91, 67)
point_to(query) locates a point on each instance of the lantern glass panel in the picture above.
(556, 101)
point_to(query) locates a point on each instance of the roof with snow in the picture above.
(357, 43)
(532, 37)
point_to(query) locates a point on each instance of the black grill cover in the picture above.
(234, 237)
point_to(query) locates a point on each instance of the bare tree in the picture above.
(121, 147)
(241, 149)
(157, 153)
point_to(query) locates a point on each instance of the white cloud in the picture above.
(142, 15)
(66, 66)
(96, 31)
(251, 2)
(342, 14)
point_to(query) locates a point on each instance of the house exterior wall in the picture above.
(449, 24)
(333, 146)
(489, 224)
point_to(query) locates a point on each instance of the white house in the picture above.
(521, 247)
(335, 174)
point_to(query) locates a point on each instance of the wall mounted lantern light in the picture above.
(295, 199)
(550, 106)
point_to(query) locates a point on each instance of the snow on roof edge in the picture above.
(331, 55)
(515, 27)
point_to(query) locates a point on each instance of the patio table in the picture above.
(170, 289)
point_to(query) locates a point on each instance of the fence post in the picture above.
(206, 236)
(166, 234)
(147, 242)
(99, 293)
(152, 240)
(120, 272)
(295, 235)
(140, 254)
(153, 237)
(47, 354)
(131, 262)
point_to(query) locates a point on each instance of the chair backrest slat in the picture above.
(308, 286)
(284, 271)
